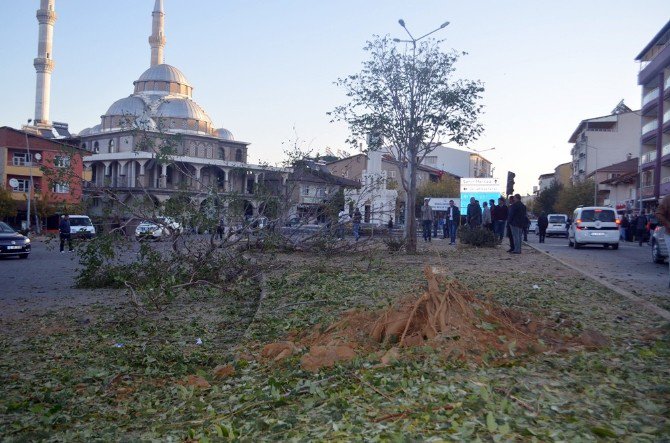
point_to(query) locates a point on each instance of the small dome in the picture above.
(225, 134)
(84, 132)
(165, 73)
(131, 105)
(182, 108)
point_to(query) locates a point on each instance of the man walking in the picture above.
(342, 219)
(542, 224)
(426, 219)
(474, 213)
(356, 223)
(663, 215)
(64, 233)
(453, 220)
(517, 222)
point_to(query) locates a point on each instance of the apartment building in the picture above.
(654, 78)
(604, 140)
(26, 156)
(458, 162)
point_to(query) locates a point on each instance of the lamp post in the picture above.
(30, 181)
(412, 148)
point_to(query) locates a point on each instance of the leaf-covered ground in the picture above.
(107, 374)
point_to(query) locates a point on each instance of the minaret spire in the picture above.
(157, 38)
(44, 64)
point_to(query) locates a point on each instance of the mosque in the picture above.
(161, 109)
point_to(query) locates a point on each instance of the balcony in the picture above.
(648, 159)
(666, 121)
(647, 191)
(649, 131)
(650, 97)
(665, 186)
(665, 150)
(666, 87)
(24, 169)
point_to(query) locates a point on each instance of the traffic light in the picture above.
(510, 182)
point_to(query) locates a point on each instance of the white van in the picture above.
(81, 227)
(558, 225)
(594, 225)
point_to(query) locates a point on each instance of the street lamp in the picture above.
(30, 182)
(412, 160)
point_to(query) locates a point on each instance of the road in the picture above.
(629, 267)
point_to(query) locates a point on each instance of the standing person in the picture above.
(493, 208)
(542, 223)
(453, 220)
(436, 224)
(641, 227)
(526, 226)
(500, 219)
(356, 223)
(486, 216)
(624, 227)
(663, 215)
(64, 233)
(426, 219)
(517, 221)
(508, 227)
(390, 223)
(474, 213)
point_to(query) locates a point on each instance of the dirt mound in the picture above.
(447, 317)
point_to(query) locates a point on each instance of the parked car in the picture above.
(558, 225)
(594, 225)
(659, 250)
(13, 243)
(157, 230)
(81, 227)
(533, 225)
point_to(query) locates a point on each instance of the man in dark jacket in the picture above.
(641, 227)
(517, 221)
(542, 223)
(64, 233)
(453, 219)
(500, 219)
(474, 213)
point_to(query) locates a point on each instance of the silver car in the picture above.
(659, 250)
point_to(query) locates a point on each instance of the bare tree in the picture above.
(406, 103)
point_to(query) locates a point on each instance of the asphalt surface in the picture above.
(630, 266)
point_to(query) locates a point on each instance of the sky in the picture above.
(265, 70)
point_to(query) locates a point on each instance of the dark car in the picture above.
(13, 243)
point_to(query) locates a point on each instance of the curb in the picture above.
(649, 306)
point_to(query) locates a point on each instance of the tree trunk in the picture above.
(410, 207)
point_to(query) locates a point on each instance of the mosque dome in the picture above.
(164, 72)
(224, 134)
(177, 107)
(130, 105)
(163, 80)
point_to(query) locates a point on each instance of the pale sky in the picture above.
(263, 68)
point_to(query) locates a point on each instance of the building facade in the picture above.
(458, 162)
(603, 141)
(545, 181)
(654, 78)
(46, 170)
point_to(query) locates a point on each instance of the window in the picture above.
(111, 146)
(238, 155)
(431, 159)
(21, 159)
(96, 147)
(391, 174)
(320, 192)
(305, 190)
(603, 215)
(62, 161)
(222, 154)
(61, 188)
(22, 186)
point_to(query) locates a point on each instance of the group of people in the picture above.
(633, 227)
(505, 218)
(356, 217)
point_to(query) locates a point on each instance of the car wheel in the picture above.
(606, 246)
(578, 245)
(656, 253)
(24, 256)
(570, 243)
(615, 246)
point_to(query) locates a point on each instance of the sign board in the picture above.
(14, 183)
(442, 204)
(482, 189)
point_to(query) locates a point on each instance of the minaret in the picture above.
(44, 64)
(157, 38)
